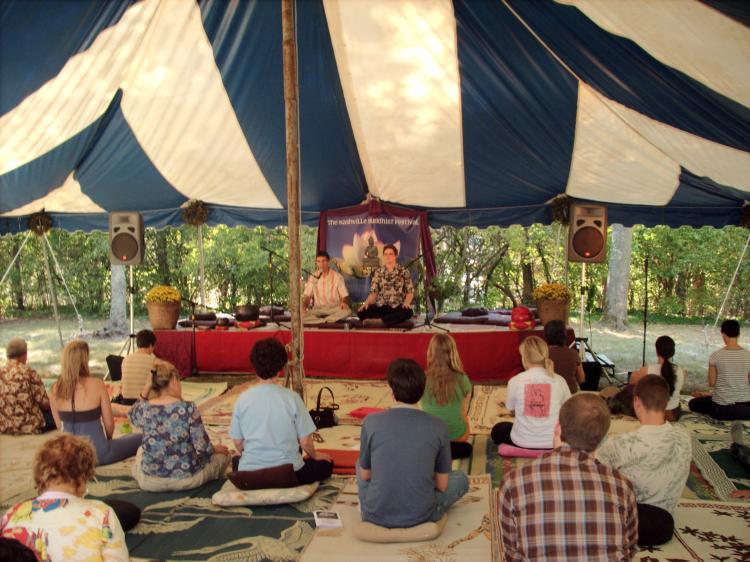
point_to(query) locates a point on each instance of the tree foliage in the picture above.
(689, 269)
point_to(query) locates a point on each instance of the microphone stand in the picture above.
(271, 254)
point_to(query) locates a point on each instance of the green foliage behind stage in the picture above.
(689, 269)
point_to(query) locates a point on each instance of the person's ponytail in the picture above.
(665, 348)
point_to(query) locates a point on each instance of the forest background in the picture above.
(689, 271)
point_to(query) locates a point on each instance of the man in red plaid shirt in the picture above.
(566, 505)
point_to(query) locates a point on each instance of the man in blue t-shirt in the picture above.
(404, 469)
(270, 424)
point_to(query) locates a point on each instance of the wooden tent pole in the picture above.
(292, 191)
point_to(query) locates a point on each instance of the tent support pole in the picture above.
(289, 52)
(201, 265)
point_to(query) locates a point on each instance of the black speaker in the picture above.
(587, 233)
(126, 243)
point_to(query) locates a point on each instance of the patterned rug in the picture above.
(715, 462)
(468, 534)
(705, 531)
(348, 394)
(187, 526)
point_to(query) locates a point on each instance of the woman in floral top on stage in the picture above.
(176, 453)
(60, 524)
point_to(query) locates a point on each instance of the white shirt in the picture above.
(655, 458)
(536, 399)
(674, 399)
(328, 290)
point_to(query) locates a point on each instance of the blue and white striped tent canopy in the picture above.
(479, 111)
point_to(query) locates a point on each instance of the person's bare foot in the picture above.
(740, 494)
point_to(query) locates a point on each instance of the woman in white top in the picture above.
(674, 375)
(535, 396)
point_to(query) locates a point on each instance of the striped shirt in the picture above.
(566, 505)
(328, 290)
(732, 368)
(136, 368)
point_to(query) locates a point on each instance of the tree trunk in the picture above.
(117, 310)
(16, 278)
(527, 295)
(618, 278)
(162, 257)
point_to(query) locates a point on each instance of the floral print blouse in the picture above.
(175, 443)
(58, 526)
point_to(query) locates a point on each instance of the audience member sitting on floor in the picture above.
(534, 397)
(136, 367)
(270, 423)
(448, 392)
(567, 361)
(176, 453)
(325, 294)
(391, 292)
(729, 374)
(673, 374)
(80, 405)
(620, 400)
(24, 406)
(566, 505)
(655, 458)
(404, 468)
(60, 524)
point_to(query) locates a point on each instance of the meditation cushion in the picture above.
(230, 495)
(459, 318)
(475, 311)
(370, 532)
(276, 477)
(506, 450)
(344, 462)
(521, 314)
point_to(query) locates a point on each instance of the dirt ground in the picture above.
(694, 344)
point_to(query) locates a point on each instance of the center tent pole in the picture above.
(291, 90)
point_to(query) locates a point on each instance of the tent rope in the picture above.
(59, 271)
(18, 253)
(731, 283)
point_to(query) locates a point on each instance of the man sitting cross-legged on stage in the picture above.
(404, 469)
(391, 292)
(655, 458)
(566, 505)
(325, 294)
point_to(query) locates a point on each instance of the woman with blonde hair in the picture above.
(535, 397)
(448, 392)
(80, 405)
(60, 524)
(176, 453)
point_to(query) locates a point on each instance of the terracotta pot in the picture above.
(163, 315)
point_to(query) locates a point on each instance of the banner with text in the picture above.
(355, 239)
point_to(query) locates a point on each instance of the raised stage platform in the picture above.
(488, 353)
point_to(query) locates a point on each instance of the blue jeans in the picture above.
(458, 485)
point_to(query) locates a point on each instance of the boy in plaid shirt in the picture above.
(566, 505)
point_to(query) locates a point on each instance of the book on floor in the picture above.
(327, 519)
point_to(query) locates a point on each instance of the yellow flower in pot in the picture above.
(163, 305)
(552, 302)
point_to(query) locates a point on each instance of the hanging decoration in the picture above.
(40, 223)
(560, 207)
(196, 213)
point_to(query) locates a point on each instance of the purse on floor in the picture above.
(324, 416)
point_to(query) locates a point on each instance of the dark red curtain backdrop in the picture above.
(487, 355)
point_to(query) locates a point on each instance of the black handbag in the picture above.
(323, 416)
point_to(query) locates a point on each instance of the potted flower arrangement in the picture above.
(552, 302)
(163, 305)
